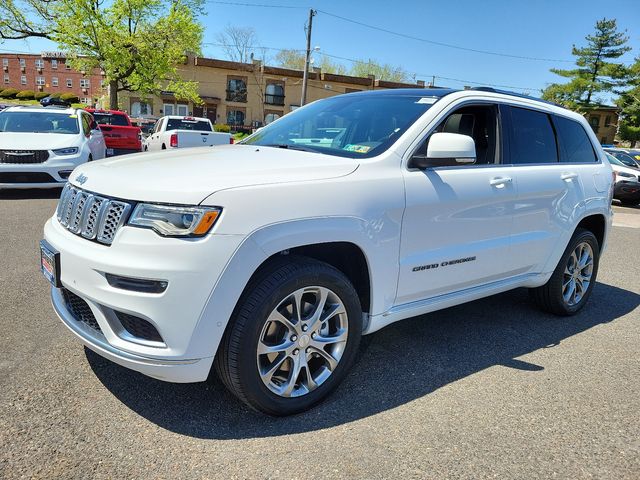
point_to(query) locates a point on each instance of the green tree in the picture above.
(596, 71)
(388, 72)
(294, 59)
(137, 43)
(629, 103)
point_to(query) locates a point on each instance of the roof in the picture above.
(408, 92)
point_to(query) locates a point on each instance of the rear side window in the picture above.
(532, 138)
(180, 124)
(575, 145)
(111, 119)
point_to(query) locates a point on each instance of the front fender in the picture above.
(379, 251)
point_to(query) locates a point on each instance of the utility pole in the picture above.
(305, 77)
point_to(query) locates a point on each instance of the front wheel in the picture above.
(571, 283)
(292, 338)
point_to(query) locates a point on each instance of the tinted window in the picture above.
(624, 157)
(111, 119)
(532, 137)
(39, 122)
(574, 142)
(180, 124)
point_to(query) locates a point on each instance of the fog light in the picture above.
(64, 173)
(136, 284)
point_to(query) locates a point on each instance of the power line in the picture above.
(442, 44)
(260, 5)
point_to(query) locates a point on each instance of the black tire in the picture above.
(236, 359)
(549, 296)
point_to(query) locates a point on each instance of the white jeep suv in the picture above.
(40, 146)
(269, 259)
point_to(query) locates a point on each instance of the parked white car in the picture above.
(627, 186)
(175, 131)
(40, 146)
(271, 258)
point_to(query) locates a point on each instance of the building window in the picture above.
(594, 121)
(236, 89)
(274, 94)
(40, 81)
(54, 64)
(67, 66)
(140, 108)
(607, 121)
(270, 117)
(23, 63)
(84, 83)
(5, 62)
(235, 117)
(182, 109)
(23, 79)
(85, 100)
(6, 78)
(39, 63)
(167, 109)
(69, 83)
(54, 81)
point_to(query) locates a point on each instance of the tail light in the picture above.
(173, 141)
(230, 140)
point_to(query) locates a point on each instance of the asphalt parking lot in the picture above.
(493, 388)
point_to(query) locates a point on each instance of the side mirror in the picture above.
(445, 149)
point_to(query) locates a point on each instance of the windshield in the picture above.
(613, 160)
(110, 119)
(181, 124)
(624, 157)
(39, 122)
(355, 126)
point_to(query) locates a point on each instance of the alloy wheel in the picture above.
(577, 274)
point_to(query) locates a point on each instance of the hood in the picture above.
(189, 175)
(37, 141)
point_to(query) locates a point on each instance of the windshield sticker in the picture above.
(428, 100)
(357, 148)
(73, 116)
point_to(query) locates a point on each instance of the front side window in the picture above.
(532, 137)
(575, 145)
(354, 126)
(38, 122)
(86, 124)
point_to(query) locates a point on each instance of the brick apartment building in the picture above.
(49, 72)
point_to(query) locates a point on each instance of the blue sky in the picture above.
(542, 29)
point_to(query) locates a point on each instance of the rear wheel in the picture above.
(571, 283)
(293, 336)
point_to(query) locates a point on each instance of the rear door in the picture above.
(457, 223)
(551, 192)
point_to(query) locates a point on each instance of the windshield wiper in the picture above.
(290, 146)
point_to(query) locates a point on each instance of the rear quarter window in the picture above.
(532, 139)
(575, 146)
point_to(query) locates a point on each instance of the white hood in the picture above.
(37, 141)
(190, 175)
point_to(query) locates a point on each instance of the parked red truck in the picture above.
(120, 136)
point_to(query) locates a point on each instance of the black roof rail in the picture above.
(514, 94)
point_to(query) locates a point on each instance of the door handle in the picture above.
(568, 176)
(499, 181)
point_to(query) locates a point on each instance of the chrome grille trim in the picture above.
(92, 216)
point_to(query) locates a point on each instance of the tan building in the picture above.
(604, 122)
(247, 95)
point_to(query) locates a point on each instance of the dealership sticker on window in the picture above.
(428, 100)
(73, 116)
(357, 148)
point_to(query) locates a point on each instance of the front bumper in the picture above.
(624, 190)
(50, 174)
(191, 268)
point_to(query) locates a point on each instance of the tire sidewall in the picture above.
(256, 315)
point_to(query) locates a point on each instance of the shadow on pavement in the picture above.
(30, 193)
(398, 364)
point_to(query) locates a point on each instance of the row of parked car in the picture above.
(41, 145)
(626, 166)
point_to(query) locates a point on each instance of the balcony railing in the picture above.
(237, 96)
(273, 99)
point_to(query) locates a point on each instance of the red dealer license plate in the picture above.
(50, 263)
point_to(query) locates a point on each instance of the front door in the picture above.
(198, 111)
(211, 113)
(457, 223)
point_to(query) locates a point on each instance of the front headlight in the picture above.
(66, 151)
(173, 221)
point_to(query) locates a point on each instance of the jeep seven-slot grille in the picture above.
(24, 156)
(91, 216)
